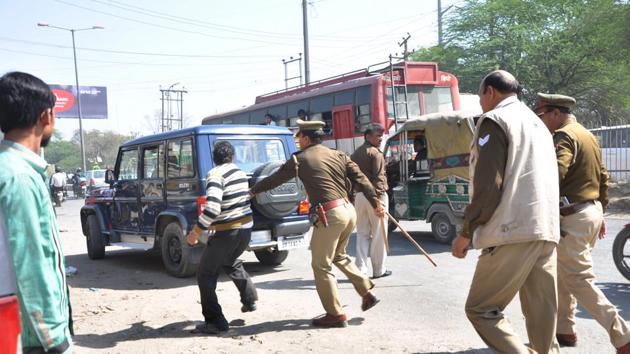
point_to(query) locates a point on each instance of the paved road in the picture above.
(126, 303)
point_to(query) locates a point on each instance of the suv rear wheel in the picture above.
(94, 239)
(175, 258)
(271, 256)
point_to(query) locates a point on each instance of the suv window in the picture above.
(128, 165)
(180, 159)
(249, 154)
(152, 158)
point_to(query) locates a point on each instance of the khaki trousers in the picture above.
(328, 246)
(370, 236)
(576, 279)
(527, 268)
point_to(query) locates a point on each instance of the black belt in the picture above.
(575, 208)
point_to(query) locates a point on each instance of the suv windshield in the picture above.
(249, 154)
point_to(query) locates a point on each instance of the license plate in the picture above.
(287, 243)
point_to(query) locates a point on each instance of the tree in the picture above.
(101, 147)
(62, 153)
(574, 47)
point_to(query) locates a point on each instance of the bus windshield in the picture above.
(250, 154)
(434, 99)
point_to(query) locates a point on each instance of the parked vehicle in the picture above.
(427, 171)
(95, 179)
(157, 191)
(9, 308)
(621, 251)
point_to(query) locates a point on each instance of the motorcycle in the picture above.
(621, 251)
(80, 187)
(58, 197)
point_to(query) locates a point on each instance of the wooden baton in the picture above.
(410, 238)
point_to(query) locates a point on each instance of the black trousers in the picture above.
(222, 253)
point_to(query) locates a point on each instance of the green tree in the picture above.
(63, 153)
(575, 47)
(101, 147)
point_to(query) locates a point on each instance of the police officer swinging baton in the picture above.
(408, 237)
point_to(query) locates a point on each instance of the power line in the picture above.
(188, 55)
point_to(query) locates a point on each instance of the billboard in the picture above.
(93, 101)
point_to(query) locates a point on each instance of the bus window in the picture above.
(294, 107)
(413, 102)
(362, 118)
(346, 97)
(321, 109)
(242, 118)
(258, 117)
(279, 113)
(437, 99)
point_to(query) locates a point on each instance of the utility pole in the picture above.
(403, 44)
(307, 69)
(167, 108)
(440, 14)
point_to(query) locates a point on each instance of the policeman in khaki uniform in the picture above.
(584, 194)
(324, 173)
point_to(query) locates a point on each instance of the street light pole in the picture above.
(76, 78)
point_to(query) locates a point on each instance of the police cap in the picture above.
(554, 100)
(310, 127)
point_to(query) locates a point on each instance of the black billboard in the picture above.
(93, 101)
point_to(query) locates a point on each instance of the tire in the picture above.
(622, 261)
(280, 201)
(94, 239)
(443, 230)
(174, 257)
(271, 257)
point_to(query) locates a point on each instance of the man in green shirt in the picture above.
(27, 120)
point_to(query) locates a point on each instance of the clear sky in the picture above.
(223, 52)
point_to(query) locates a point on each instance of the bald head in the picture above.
(502, 81)
(495, 87)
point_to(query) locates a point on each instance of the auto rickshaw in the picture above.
(427, 163)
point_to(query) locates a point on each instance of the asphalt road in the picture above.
(126, 303)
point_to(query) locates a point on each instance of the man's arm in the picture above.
(565, 147)
(360, 180)
(378, 169)
(489, 173)
(603, 185)
(37, 272)
(214, 197)
(283, 174)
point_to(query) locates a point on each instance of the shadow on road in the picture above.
(399, 245)
(293, 284)
(470, 351)
(618, 294)
(140, 331)
(143, 270)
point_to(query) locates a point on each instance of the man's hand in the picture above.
(380, 212)
(193, 237)
(460, 246)
(602, 230)
(251, 194)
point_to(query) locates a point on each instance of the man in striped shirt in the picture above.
(228, 215)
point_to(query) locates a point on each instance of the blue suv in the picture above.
(157, 191)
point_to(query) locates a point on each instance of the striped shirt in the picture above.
(227, 197)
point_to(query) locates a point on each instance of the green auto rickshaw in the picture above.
(427, 162)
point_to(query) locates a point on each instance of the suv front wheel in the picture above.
(271, 256)
(175, 258)
(94, 239)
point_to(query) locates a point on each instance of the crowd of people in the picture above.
(523, 162)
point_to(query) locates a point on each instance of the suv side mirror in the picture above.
(109, 176)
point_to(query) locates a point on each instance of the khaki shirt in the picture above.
(324, 172)
(372, 163)
(489, 173)
(583, 176)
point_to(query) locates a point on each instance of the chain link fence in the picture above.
(615, 144)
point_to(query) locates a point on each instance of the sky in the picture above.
(223, 53)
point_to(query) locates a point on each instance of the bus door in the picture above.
(343, 128)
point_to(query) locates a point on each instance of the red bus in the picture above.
(350, 101)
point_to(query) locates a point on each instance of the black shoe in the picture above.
(248, 307)
(386, 274)
(209, 328)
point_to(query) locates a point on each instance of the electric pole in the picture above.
(307, 70)
(167, 108)
(440, 14)
(403, 44)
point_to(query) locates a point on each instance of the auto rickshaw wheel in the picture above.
(443, 230)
